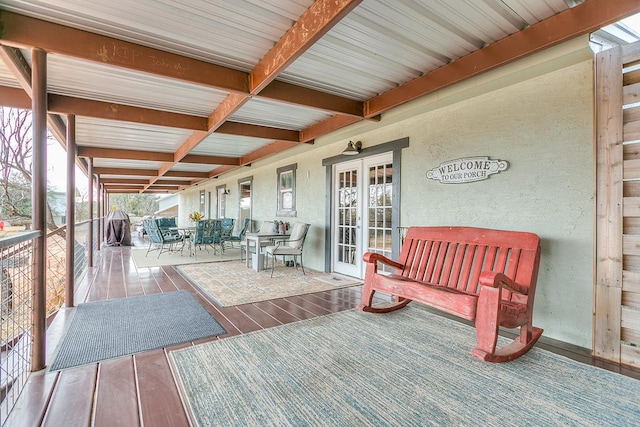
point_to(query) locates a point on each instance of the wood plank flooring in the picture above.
(140, 389)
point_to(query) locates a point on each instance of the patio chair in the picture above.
(292, 246)
(168, 225)
(226, 229)
(265, 228)
(207, 233)
(163, 241)
(231, 239)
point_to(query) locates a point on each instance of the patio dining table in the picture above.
(258, 240)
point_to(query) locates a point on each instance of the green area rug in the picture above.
(117, 327)
(232, 283)
(407, 368)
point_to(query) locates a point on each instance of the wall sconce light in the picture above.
(353, 148)
(227, 192)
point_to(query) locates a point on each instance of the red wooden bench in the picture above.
(482, 275)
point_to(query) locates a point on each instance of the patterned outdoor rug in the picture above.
(107, 329)
(232, 283)
(406, 368)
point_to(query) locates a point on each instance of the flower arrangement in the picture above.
(195, 216)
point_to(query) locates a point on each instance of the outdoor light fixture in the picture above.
(353, 148)
(226, 192)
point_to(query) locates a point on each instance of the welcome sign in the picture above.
(469, 169)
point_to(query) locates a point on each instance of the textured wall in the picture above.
(537, 114)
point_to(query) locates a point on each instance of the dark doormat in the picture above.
(107, 329)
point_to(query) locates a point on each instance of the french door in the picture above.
(361, 219)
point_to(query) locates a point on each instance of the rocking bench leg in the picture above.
(487, 326)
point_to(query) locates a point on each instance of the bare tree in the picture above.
(16, 158)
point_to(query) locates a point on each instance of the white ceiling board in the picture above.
(7, 78)
(125, 164)
(260, 111)
(193, 167)
(234, 33)
(229, 145)
(93, 132)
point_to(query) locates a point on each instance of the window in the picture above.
(202, 202)
(244, 196)
(221, 198)
(287, 190)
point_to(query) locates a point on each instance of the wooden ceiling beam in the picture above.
(115, 153)
(319, 18)
(110, 111)
(24, 31)
(326, 126)
(20, 68)
(307, 97)
(582, 19)
(109, 181)
(210, 160)
(260, 153)
(178, 182)
(315, 22)
(221, 170)
(13, 97)
(124, 171)
(267, 150)
(255, 131)
(122, 191)
(186, 174)
(18, 98)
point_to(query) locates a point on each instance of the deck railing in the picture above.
(16, 274)
(16, 254)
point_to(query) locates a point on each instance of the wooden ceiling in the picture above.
(159, 110)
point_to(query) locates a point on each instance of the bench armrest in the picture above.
(373, 258)
(498, 280)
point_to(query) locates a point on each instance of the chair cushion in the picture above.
(282, 250)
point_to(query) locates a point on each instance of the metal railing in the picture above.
(16, 274)
(16, 254)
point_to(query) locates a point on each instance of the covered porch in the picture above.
(155, 105)
(140, 389)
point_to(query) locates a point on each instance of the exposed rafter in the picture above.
(22, 31)
(18, 98)
(124, 171)
(321, 16)
(18, 65)
(582, 19)
(241, 86)
(113, 153)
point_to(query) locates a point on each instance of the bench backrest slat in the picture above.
(455, 257)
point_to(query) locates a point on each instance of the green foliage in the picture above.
(134, 204)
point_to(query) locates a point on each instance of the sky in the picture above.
(57, 169)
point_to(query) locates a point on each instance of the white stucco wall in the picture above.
(537, 114)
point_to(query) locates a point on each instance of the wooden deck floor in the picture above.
(140, 389)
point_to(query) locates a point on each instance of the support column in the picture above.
(39, 205)
(69, 281)
(90, 197)
(104, 212)
(99, 211)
